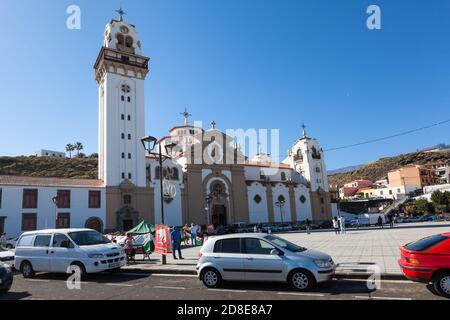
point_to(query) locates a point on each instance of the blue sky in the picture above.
(244, 63)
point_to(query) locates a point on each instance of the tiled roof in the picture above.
(49, 182)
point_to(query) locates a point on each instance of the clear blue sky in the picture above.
(244, 63)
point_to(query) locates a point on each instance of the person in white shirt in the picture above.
(193, 234)
(335, 225)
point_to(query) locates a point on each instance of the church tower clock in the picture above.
(120, 71)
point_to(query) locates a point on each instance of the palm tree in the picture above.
(69, 149)
(78, 146)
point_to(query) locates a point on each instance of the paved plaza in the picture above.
(353, 251)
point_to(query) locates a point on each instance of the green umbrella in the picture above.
(142, 228)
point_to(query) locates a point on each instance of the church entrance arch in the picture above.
(127, 218)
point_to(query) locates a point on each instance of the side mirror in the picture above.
(276, 252)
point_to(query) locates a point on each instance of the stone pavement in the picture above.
(353, 251)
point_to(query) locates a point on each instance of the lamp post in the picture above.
(280, 204)
(55, 200)
(149, 144)
(208, 200)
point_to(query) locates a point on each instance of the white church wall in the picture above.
(258, 212)
(281, 189)
(79, 211)
(304, 210)
(173, 211)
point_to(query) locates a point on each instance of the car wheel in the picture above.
(27, 269)
(9, 246)
(442, 284)
(211, 278)
(301, 280)
(81, 270)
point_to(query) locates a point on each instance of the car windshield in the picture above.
(88, 238)
(426, 243)
(285, 244)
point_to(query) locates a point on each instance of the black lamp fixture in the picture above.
(149, 143)
(169, 148)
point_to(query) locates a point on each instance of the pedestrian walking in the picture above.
(193, 230)
(255, 229)
(185, 234)
(307, 224)
(380, 222)
(335, 225)
(176, 243)
(129, 248)
(3, 240)
(391, 221)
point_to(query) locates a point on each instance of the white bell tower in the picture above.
(120, 71)
(307, 158)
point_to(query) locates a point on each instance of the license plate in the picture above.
(114, 265)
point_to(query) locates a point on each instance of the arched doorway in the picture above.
(219, 215)
(94, 223)
(127, 218)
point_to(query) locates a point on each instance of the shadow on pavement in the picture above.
(334, 287)
(14, 295)
(103, 277)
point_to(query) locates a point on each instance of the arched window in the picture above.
(281, 198)
(175, 174)
(283, 176)
(120, 39)
(129, 42)
(157, 173)
(94, 223)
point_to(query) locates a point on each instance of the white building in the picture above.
(26, 204)
(50, 153)
(212, 190)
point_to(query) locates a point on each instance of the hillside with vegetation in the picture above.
(79, 167)
(379, 169)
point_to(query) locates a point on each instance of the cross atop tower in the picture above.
(121, 13)
(213, 125)
(303, 131)
(186, 116)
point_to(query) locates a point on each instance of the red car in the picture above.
(428, 260)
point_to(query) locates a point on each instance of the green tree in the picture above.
(78, 146)
(69, 149)
(440, 200)
(422, 206)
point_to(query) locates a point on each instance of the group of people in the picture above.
(339, 225)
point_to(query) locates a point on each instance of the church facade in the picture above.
(207, 180)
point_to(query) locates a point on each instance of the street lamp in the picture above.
(280, 204)
(149, 144)
(208, 200)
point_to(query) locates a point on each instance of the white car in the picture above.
(11, 243)
(7, 257)
(57, 250)
(262, 257)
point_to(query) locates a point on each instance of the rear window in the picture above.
(426, 243)
(26, 241)
(228, 246)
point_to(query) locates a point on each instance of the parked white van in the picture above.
(58, 249)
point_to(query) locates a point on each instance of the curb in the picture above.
(159, 271)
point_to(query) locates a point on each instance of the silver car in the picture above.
(261, 257)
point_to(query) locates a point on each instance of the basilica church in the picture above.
(206, 178)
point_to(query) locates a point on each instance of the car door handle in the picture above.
(250, 258)
(216, 257)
